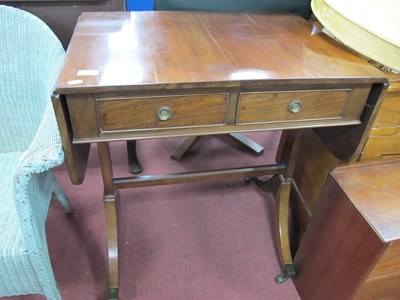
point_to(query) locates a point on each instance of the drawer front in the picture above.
(382, 143)
(291, 106)
(389, 113)
(393, 144)
(161, 112)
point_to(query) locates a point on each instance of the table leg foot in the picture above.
(288, 272)
(134, 165)
(112, 293)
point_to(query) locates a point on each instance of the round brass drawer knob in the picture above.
(164, 113)
(295, 106)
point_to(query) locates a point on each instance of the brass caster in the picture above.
(281, 278)
(288, 272)
(113, 294)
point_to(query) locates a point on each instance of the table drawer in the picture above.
(159, 112)
(269, 107)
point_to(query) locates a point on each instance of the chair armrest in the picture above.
(45, 150)
(44, 153)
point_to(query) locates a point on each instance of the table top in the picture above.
(162, 50)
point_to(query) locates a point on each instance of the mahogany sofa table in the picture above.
(138, 75)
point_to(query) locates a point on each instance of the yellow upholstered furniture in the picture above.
(370, 27)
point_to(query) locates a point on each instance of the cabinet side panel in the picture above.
(338, 249)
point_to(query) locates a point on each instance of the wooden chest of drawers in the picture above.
(384, 139)
(351, 247)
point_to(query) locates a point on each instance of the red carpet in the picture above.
(211, 240)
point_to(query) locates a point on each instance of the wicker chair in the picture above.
(30, 59)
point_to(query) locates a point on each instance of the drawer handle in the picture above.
(295, 106)
(164, 113)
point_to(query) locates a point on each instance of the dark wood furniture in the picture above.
(130, 76)
(351, 248)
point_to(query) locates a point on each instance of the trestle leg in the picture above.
(110, 201)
